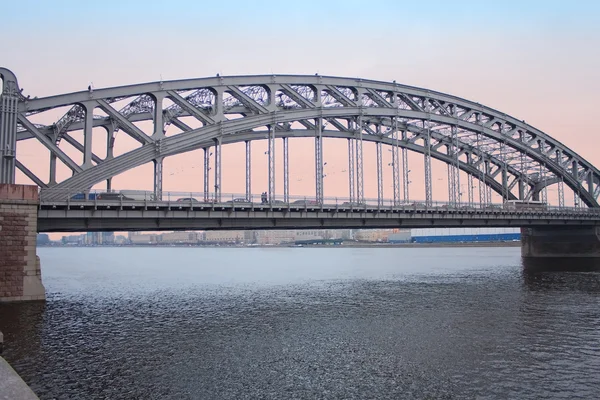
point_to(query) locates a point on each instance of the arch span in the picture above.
(459, 132)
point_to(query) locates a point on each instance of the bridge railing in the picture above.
(60, 195)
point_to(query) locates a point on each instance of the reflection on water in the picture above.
(559, 274)
(308, 323)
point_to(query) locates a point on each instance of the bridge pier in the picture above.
(20, 273)
(561, 242)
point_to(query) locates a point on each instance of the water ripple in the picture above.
(306, 324)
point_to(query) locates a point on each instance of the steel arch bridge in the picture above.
(506, 155)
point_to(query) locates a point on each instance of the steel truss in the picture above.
(249, 170)
(319, 161)
(503, 153)
(396, 163)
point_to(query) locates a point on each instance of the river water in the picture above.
(307, 323)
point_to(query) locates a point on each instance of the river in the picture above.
(307, 323)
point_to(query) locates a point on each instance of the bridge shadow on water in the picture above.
(548, 274)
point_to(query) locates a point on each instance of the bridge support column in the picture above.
(158, 178)
(20, 274)
(563, 242)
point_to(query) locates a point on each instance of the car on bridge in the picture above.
(187, 200)
(353, 204)
(305, 202)
(525, 205)
(240, 201)
(81, 196)
(113, 196)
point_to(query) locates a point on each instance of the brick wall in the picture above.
(20, 274)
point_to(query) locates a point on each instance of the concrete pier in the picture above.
(561, 242)
(20, 272)
(12, 386)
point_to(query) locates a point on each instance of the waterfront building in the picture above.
(224, 236)
(179, 237)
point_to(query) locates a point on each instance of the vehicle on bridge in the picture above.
(112, 196)
(81, 196)
(353, 204)
(187, 200)
(305, 202)
(240, 201)
(525, 205)
(138, 195)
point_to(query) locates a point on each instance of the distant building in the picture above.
(42, 239)
(139, 238)
(400, 236)
(445, 235)
(120, 239)
(372, 235)
(73, 240)
(345, 234)
(108, 238)
(179, 237)
(275, 237)
(310, 234)
(93, 238)
(224, 236)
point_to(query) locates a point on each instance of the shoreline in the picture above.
(343, 245)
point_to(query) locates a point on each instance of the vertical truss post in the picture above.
(158, 178)
(504, 184)
(319, 161)
(505, 191)
(405, 170)
(157, 116)
(561, 193)
(248, 170)
(52, 178)
(286, 171)
(110, 147)
(351, 169)
(575, 173)
(218, 169)
(379, 174)
(488, 188)
(471, 187)
(543, 182)
(271, 154)
(521, 189)
(206, 175)
(8, 132)
(481, 169)
(395, 164)
(428, 189)
(452, 189)
(360, 186)
(457, 165)
(451, 199)
(88, 135)
(110, 141)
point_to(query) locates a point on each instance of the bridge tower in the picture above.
(9, 101)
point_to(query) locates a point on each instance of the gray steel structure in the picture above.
(127, 215)
(509, 156)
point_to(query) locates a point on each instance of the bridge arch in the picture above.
(475, 133)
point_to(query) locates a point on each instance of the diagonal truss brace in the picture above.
(124, 123)
(193, 111)
(46, 141)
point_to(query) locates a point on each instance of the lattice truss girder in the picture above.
(238, 108)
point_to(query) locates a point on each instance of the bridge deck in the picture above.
(128, 215)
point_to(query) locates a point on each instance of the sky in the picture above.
(535, 60)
